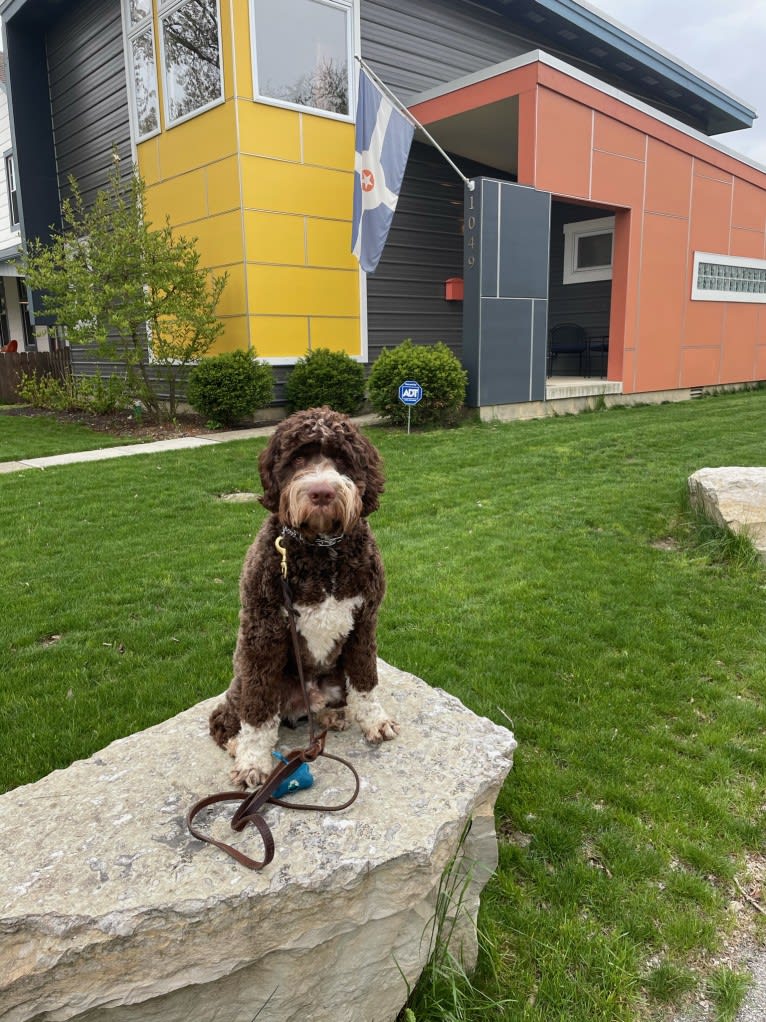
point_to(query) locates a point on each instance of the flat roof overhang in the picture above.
(477, 116)
(581, 34)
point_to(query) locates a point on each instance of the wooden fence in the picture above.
(14, 364)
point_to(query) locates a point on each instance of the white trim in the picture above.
(699, 294)
(351, 11)
(129, 33)
(573, 274)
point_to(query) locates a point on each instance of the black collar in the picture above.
(321, 540)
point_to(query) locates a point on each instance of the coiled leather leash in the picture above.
(249, 812)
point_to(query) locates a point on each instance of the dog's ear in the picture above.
(368, 469)
(266, 465)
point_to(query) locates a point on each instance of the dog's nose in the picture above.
(321, 494)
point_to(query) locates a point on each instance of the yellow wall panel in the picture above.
(328, 143)
(241, 22)
(183, 199)
(223, 185)
(279, 336)
(274, 290)
(275, 238)
(269, 131)
(204, 139)
(234, 336)
(291, 188)
(233, 301)
(336, 334)
(329, 244)
(219, 238)
(148, 157)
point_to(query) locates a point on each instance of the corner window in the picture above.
(303, 52)
(191, 57)
(13, 199)
(142, 69)
(588, 250)
(724, 278)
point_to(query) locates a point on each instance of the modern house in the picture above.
(607, 236)
(15, 324)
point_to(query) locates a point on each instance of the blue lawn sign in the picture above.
(382, 144)
(410, 392)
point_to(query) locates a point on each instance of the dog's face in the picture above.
(319, 473)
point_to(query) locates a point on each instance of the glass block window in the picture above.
(144, 101)
(720, 278)
(588, 250)
(303, 53)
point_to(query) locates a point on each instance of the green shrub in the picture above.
(227, 388)
(76, 393)
(434, 367)
(324, 377)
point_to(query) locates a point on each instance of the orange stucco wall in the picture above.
(673, 194)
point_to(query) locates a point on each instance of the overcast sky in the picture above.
(725, 40)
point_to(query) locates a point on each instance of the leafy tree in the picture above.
(138, 294)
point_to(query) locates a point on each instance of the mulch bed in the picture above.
(121, 424)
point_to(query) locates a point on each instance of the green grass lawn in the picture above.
(546, 573)
(37, 436)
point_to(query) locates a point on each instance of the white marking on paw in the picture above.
(375, 723)
(253, 761)
(324, 624)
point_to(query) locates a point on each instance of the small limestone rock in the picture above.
(734, 498)
(111, 912)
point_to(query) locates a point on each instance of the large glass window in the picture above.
(143, 69)
(302, 53)
(191, 51)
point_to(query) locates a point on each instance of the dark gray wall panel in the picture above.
(88, 94)
(587, 304)
(416, 46)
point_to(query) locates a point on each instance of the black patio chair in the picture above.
(567, 339)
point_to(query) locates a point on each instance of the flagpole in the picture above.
(411, 117)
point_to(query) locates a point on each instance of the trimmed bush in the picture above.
(434, 367)
(324, 377)
(227, 388)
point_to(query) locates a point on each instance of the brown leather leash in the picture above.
(253, 802)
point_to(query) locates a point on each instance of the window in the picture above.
(588, 250)
(191, 57)
(302, 53)
(143, 69)
(13, 198)
(722, 278)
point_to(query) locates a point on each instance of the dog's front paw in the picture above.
(332, 720)
(252, 750)
(381, 731)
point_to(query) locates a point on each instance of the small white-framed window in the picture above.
(303, 54)
(13, 198)
(588, 247)
(191, 57)
(142, 68)
(725, 278)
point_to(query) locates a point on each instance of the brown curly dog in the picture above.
(321, 478)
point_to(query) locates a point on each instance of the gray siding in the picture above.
(88, 92)
(416, 46)
(587, 304)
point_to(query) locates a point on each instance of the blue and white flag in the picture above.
(383, 138)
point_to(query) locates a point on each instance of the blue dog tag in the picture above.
(300, 779)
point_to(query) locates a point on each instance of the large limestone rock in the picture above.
(734, 498)
(111, 912)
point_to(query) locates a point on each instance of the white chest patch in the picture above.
(324, 624)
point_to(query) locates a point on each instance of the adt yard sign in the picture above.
(410, 392)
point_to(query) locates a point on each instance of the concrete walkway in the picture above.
(125, 450)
